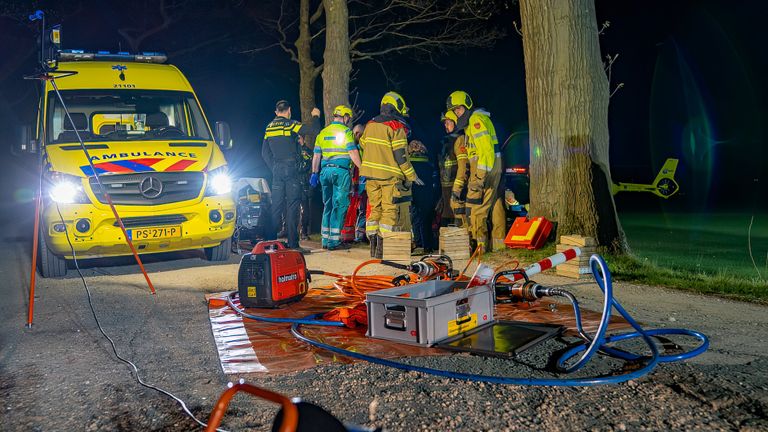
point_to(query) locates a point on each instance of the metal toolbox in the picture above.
(427, 312)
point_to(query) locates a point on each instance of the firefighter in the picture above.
(454, 172)
(424, 198)
(281, 152)
(335, 152)
(388, 172)
(485, 169)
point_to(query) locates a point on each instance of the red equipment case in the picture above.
(272, 275)
(528, 233)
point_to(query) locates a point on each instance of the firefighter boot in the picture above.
(379, 248)
(374, 240)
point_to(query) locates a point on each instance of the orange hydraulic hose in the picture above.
(35, 240)
(290, 412)
(471, 258)
(357, 286)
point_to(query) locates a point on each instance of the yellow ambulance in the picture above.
(153, 150)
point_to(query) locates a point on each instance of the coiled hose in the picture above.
(598, 342)
(310, 321)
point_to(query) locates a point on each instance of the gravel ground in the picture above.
(62, 375)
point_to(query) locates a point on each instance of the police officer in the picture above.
(281, 152)
(388, 171)
(482, 150)
(335, 152)
(454, 171)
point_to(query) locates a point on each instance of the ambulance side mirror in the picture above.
(223, 135)
(25, 142)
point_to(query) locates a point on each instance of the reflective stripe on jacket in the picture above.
(384, 157)
(482, 141)
(281, 139)
(334, 143)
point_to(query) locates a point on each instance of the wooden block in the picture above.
(454, 242)
(397, 246)
(577, 240)
(586, 250)
(575, 273)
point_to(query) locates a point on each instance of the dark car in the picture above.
(516, 183)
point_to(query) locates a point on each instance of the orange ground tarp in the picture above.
(247, 346)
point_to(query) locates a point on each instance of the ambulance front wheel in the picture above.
(220, 252)
(49, 264)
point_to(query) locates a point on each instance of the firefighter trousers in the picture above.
(481, 199)
(390, 201)
(335, 183)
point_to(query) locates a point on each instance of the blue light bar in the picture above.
(79, 55)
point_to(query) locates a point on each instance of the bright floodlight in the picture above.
(221, 184)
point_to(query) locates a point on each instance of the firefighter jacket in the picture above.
(281, 140)
(334, 143)
(384, 142)
(482, 144)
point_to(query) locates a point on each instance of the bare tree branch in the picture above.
(429, 27)
(606, 24)
(134, 36)
(518, 30)
(317, 14)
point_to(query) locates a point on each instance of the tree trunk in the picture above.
(336, 64)
(307, 73)
(568, 120)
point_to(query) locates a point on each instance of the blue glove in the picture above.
(314, 179)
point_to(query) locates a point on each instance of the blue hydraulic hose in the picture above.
(598, 342)
(314, 321)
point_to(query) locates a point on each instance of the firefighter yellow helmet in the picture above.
(396, 101)
(449, 115)
(342, 110)
(458, 98)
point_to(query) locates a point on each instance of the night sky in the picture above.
(693, 73)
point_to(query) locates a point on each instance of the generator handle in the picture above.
(264, 246)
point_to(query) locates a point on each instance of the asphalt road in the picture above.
(62, 375)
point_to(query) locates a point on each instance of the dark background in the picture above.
(693, 73)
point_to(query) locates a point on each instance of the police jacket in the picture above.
(281, 140)
(383, 143)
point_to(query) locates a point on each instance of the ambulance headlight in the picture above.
(219, 182)
(66, 189)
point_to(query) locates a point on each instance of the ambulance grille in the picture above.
(125, 189)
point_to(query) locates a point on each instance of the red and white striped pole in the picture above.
(548, 263)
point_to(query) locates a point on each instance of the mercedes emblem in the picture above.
(150, 187)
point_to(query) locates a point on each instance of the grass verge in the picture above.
(628, 268)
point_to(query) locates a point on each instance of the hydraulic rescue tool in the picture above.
(272, 275)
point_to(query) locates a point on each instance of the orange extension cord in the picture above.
(356, 286)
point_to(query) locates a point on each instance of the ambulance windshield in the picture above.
(120, 115)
